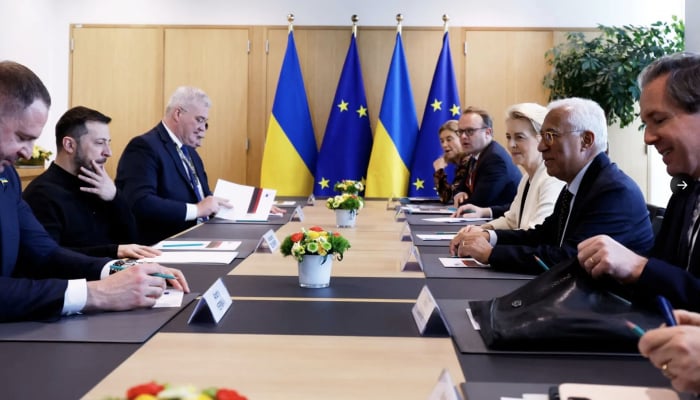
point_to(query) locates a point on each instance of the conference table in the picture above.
(355, 339)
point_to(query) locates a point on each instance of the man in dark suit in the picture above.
(492, 178)
(161, 174)
(670, 109)
(598, 198)
(39, 279)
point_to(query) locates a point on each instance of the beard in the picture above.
(82, 160)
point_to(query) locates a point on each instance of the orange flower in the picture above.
(296, 237)
(151, 388)
(228, 394)
(316, 229)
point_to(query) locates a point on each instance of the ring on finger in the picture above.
(666, 372)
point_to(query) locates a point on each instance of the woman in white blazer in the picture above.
(537, 191)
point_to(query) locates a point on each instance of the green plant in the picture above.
(349, 186)
(605, 68)
(345, 201)
(315, 240)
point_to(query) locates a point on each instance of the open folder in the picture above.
(249, 203)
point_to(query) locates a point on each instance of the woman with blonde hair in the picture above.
(452, 153)
(537, 191)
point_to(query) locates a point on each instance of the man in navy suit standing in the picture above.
(598, 198)
(162, 176)
(670, 108)
(38, 278)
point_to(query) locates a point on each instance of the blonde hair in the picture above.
(531, 112)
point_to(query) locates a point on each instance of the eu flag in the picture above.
(442, 104)
(348, 138)
(289, 158)
(395, 135)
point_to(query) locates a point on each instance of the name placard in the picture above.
(426, 315)
(405, 234)
(298, 214)
(445, 389)
(411, 261)
(311, 200)
(213, 304)
(268, 242)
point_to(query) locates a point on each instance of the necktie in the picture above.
(471, 169)
(192, 173)
(566, 198)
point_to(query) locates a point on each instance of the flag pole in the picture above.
(399, 18)
(445, 18)
(354, 20)
(290, 20)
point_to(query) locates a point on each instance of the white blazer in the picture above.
(539, 203)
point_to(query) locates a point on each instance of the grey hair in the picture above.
(585, 115)
(185, 96)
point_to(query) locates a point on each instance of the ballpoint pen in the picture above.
(170, 245)
(666, 310)
(123, 266)
(635, 328)
(541, 263)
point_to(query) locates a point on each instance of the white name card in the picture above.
(311, 200)
(411, 261)
(426, 315)
(298, 214)
(213, 304)
(268, 242)
(405, 234)
(444, 389)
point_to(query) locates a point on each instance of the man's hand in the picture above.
(602, 255)
(211, 205)
(136, 251)
(132, 288)
(100, 183)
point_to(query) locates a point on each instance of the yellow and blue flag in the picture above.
(442, 104)
(348, 139)
(396, 132)
(289, 158)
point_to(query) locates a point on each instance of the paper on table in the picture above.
(451, 220)
(412, 209)
(286, 203)
(249, 203)
(423, 236)
(170, 298)
(466, 262)
(198, 245)
(528, 396)
(193, 257)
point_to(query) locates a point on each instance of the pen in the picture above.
(446, 233)
(635, 328)
(158, 274)
(666, 310)
(541, 263)
(182, 245)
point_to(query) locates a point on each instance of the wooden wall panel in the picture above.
(119, 72)
(215, 60)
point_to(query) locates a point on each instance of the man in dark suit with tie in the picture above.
(39, 279)
(162, 176)
(493, 177)
(598, 198)
(670, 109)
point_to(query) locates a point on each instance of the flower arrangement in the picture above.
(39, 155)
(345, 201)
(349, 186)
(315, 240)
(154, 391)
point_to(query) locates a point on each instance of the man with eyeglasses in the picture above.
(76, 200)
(162, 175)
(598, 198)
(492, 177)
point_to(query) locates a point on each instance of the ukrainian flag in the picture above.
(348, 139)
(289, 158)
(442, 105)
(396, 132)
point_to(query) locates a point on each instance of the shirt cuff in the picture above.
(493, 238)
(75, 298)
(191, 212)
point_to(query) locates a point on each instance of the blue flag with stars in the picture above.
(443, 104)
(348, 139)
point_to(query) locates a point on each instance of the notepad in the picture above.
(436, 236)
(451, 220)
(193, 257)
(198, 245)
(464, 262)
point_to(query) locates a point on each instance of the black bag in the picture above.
(564, 309)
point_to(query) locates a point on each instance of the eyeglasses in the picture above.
(549, 135)
(470, 131)
(200, 119)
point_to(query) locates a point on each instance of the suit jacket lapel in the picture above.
(598, 164)
(171, 149)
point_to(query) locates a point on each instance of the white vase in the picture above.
(315, 271)
(345, 218)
